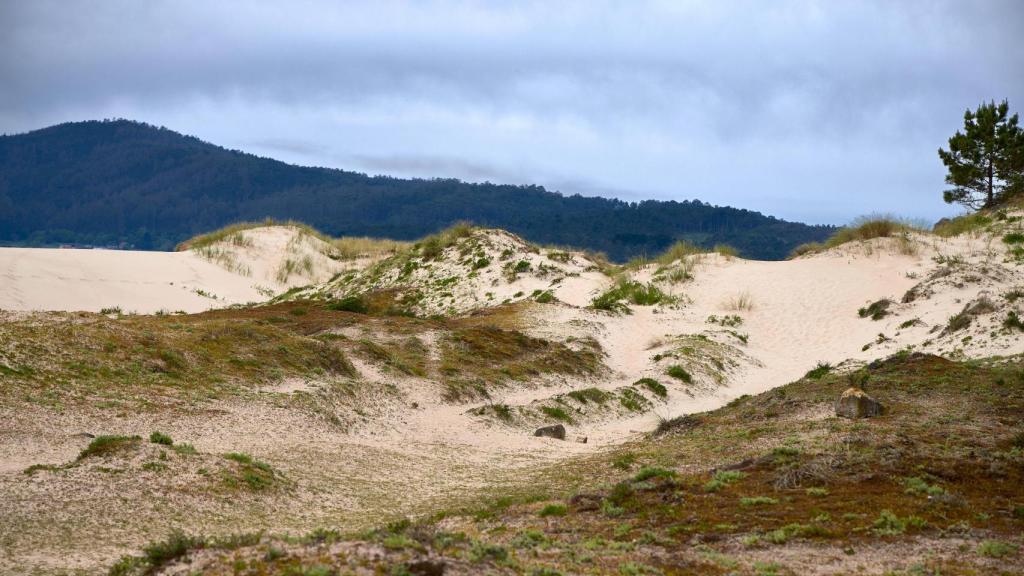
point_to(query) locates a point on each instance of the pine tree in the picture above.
(986, 160)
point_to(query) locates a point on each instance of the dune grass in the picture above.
(864, 228)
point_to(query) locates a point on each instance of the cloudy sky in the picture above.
(809, 110)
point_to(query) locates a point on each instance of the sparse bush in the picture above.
(545, 297)
(1014, 238)
(175, 546)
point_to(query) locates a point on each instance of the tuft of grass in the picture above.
(679, 373)
(587, 395)
(1013, 321)
(758, 501)
(653, 385)
(108, 445)
(631, 292)
(161, 438)
(996, 549)
(552, 510)
(722, 479)
(1014, 238)
(254, 474)
(349, 304)
(432, 246)
(741, 301)
(556, 413)
(680, 251)
(726, 250)
(649, 472)
(961, 225)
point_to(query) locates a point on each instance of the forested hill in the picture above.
(119, 181)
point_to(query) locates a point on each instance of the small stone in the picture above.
(581, 439)
(855, 403)
(557, 431)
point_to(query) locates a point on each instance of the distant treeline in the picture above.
(112, 182)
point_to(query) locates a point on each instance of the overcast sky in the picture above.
(808, 110)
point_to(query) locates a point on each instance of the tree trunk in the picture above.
(991, 199)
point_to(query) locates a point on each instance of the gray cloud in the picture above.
(805, 109)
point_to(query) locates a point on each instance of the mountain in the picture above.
(118, 181)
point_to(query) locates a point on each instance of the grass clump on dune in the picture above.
(861, 229)
(432, 246)
(108, 445)
(632, 292)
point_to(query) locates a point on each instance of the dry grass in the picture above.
(352, 247)
(740, 301)
(867, 228)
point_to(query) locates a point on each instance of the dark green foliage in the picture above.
(175, 546)
(1014, 238)
(679, 373)
(653, 385)
(985, 162)
(819, 371)
(552, 510)
(648, 472)
(876, 310)
(107, 445)
(1013, 321)
(586, 395)
(161, 438)
(545, 297)
(556, 413)
(349, 304)
(102, 183)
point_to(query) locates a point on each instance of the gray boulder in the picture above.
(855, 403)
(557, 431)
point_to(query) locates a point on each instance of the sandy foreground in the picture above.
(405, 455)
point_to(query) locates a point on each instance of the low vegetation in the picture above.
(866, 228)
(625, 292)
(784, 489)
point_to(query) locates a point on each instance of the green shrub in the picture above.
(1014, 238)
(996, 549)
(876, 310)
(722, 479)
(552, 510)
(556, 413)
(819, 371)
(1013, 321)
(586, 395)
(349, 304)
(648, 472)
(161, 438)
(679, 373)
(653, 385)
(545, 297)
(632, 292)
(107, 445)
(174, 547)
